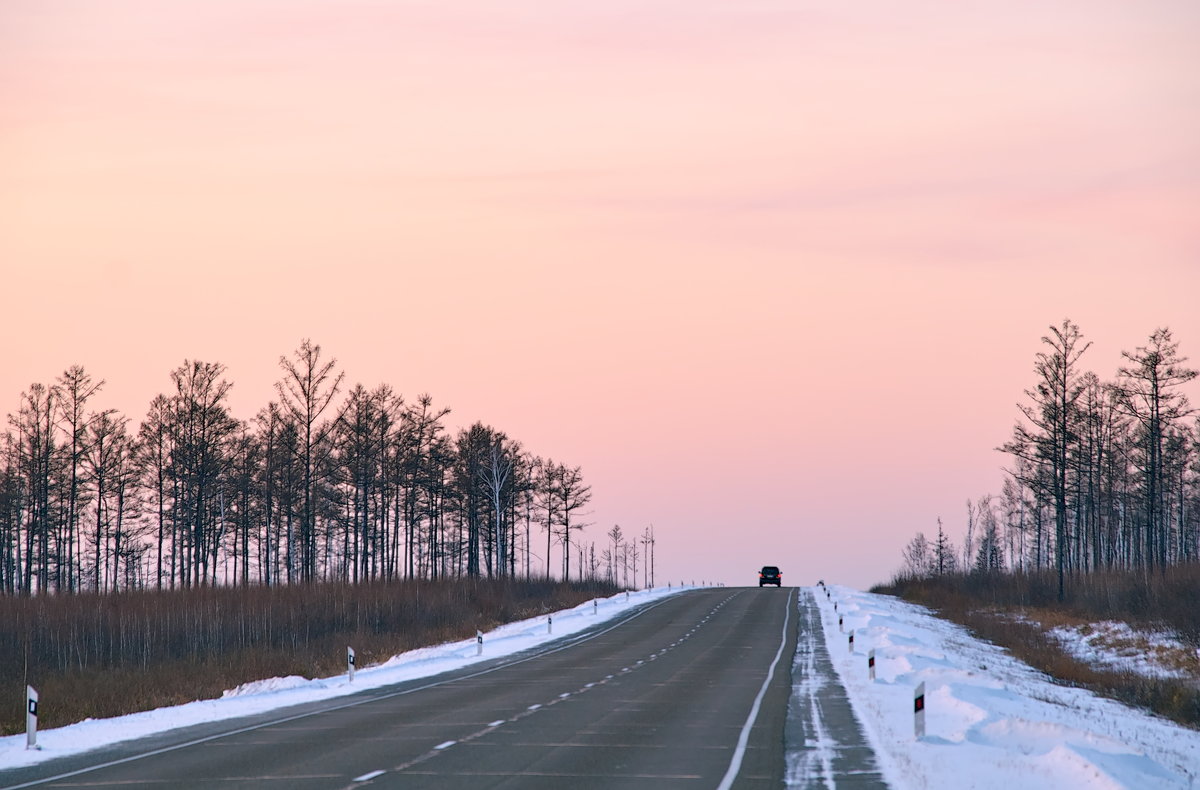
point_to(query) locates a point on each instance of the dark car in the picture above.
(770, 575)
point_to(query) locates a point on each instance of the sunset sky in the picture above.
(773, 273)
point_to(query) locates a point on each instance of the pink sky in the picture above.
(773, 273)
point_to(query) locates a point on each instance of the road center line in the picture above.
(571, 642)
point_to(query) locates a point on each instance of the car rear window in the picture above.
(770, 569)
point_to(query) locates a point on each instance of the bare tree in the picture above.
(1147, 392)
(75, 387)
(916, 556)
(154, 453)
(574, 495)
(647, 554)
(308, 387)
(1050, 431)
(545, 485)
(204, 431)
(36, 461)
(943, 553)
(615, 536)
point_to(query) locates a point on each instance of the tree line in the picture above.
(1103, 475)
(324, 483)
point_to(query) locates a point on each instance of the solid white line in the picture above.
(740, 752)
(368, 777)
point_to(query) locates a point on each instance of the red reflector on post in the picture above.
(919, 704)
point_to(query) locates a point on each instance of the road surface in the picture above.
(691, 691)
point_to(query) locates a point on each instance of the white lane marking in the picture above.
(739, 753)
(445, 745)
(534, 707)
(356, 703)
(497, 723)
(368, 777)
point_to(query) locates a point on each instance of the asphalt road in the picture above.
(676, 695)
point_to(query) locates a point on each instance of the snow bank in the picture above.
(272, 693)
(991, 721)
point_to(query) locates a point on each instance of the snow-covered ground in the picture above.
(1117, 646)
(266, 695)
(991, 721)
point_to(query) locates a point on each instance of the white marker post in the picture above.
(871, 665)
(595, 607)
(851, 640)
(479, 643)
(919, 711)
(550, 624)
(840, 629)
(31, 718)
(350, 662)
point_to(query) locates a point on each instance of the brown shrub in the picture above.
(1016, 611)
(105, 655)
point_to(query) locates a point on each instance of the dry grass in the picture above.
(1017, 612)
(99, 656)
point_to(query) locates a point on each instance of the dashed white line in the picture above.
(368, 777)
(497, 722)
(445, 745)
(534, 707)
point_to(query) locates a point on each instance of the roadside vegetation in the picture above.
(100, 655)
(1017, 612)
(1098, 521)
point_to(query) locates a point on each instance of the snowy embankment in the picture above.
(991, 721)
(273, 693)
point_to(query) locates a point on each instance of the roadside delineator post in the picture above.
(479, 643)
(871, 664)
(851, 640)
(595, 607)
(31, 718)
(350, 662)
(919, 711)
(840, 629)
(550, 624)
